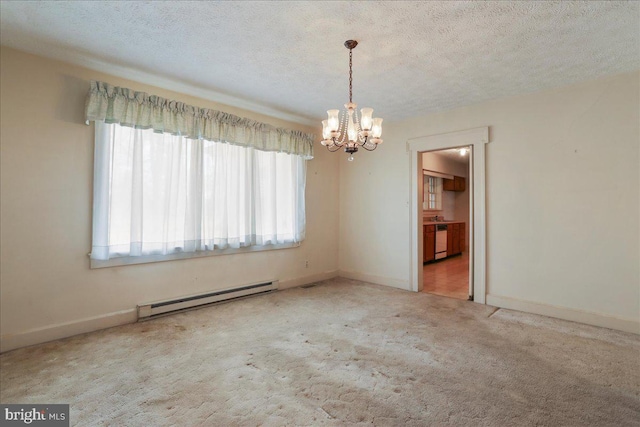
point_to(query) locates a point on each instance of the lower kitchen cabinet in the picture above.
(455, 239)
(429, 243)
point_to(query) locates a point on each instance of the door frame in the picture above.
(476, 139)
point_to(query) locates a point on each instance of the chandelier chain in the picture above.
(350, 75)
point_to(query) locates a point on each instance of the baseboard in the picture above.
(90, 324)
(63, 330)
(305, 280)
(378, 280)
(587, 317)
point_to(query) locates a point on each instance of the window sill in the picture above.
(131, 260)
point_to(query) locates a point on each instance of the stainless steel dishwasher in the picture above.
(441, 241)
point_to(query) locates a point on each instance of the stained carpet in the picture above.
(339, 353)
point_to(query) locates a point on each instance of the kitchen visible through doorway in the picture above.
(446, 214)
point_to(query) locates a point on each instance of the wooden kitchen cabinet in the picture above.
(458, 183)
(455, 239)
(429, 243)
(448, 184)
(453, 232)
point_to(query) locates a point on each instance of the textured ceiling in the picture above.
(453, 154)
(413, 57)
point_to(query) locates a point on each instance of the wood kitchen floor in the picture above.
(449, 277)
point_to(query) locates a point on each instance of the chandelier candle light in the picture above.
(351, 131)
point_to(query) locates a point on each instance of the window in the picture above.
(162, 194)
(432, 193)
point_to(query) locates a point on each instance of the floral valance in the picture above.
(143, 111)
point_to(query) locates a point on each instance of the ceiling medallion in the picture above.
(350, 130)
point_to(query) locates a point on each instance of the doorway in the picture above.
(446, 212)
(475, 139)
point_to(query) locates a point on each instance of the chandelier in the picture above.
(351, 130)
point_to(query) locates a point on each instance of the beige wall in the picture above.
(437, 162)
(46, 287)
(562, 200)
(562, 206)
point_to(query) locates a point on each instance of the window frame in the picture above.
(145, 259)
(431, 193)
(152, 258)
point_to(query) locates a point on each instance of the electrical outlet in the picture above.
(306, 264)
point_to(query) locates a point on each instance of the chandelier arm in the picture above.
(337, 147)
(369, 149)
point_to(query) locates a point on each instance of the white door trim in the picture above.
(476, 138)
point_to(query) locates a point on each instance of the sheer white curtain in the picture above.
(158, 194)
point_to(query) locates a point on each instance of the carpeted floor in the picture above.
(339, 353)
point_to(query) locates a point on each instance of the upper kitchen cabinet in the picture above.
(455, 184)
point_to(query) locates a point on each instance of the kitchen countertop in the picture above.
(425, 222)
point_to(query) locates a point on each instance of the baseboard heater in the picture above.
(163, 308)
